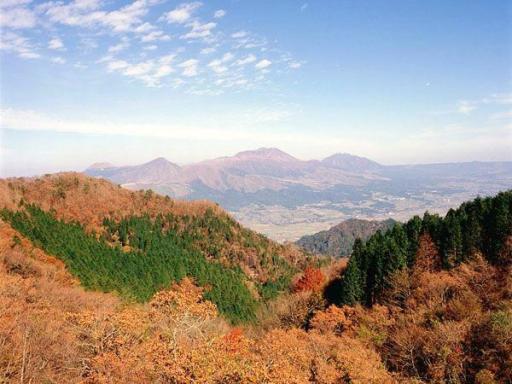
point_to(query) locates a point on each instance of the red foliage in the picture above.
(233, 340)
(312, 280)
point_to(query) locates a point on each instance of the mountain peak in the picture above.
(348, 162)
(159, 160)
(101, 165)
(267, 154)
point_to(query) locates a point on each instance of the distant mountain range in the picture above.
(337, 241)
(285, 197)
(247, 172)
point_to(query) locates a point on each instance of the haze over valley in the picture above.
(285, 198)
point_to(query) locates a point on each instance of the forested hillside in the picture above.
(145, 242)
(338, 240)
(480, 227)
(189, 296)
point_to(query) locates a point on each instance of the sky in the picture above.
(124, 82)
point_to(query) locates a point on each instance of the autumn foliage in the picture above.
(428, 324)
(313, 280)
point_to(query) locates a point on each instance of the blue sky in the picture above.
(126, 81)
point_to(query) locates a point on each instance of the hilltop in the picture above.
(337, 241)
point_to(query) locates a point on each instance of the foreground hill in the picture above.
(338, 240)
(428, 301)
(284, 197)
(136, 243)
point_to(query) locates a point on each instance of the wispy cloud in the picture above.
(199, 30)
(130, 39)
(246, 60)
(55, 43)
(150, 72)
(189, 67)
(12, 42)
(262, 64)
(467, 106)
(219, 13)
(58, 60)
(239, 34)
(182, 13)
(14, 14)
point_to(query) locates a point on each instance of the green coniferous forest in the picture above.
(157, 256)
(481, 226)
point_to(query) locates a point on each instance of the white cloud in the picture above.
(12, 42)
(466, 107)
(218, 66)
(155, 35)
(150, 72)
(189, 67)
(262, 64)
(138, 69)
(182, 13)
(17, 17)
(163, 71)
(55, 43)
(166, 59)
(219, 13)
(116, 65)
(131, 29)
(86, 13)
(295, 64)
(226, 125)
(30, 55)
(144, 28)
(239, 34)
(199, 31)
(208, 50)
(58, 60)
(119, 47)
(246, 60)
(11, 3)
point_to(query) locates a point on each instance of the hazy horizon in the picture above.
(24, 171)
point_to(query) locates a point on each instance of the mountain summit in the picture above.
(274, 154)
(249, 171)
(351, 163)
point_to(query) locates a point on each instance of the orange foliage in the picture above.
(437, 325)
(312, 280)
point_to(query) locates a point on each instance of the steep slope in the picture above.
(445, 317)
(51, 330)
(338, 240)
(175, 239)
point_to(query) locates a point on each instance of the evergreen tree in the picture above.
(351, 290)
(413, 232)
(451, 239)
